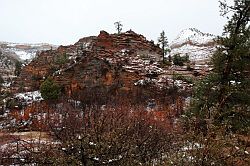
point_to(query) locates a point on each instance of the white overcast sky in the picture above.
(65, 21)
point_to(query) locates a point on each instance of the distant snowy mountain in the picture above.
(196, 44)
(24, 51)
(11, 53)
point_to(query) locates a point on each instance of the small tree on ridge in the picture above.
(118, 26)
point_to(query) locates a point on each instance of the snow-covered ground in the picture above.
(194, 52)
(24, 55)
(29, 97)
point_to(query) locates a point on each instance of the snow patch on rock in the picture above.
(29, 97)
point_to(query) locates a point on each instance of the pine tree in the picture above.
(163, 41)
(118, 26)
(1, 80)
(49, 90)
(18, 68)
(224, 95)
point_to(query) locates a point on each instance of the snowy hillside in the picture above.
(7, 64)
(11, 53)
(192, 42)
(192, 36)
(24, 51)
(24, 55)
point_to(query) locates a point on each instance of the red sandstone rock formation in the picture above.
(91, 62)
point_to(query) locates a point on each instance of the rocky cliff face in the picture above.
(108, 62)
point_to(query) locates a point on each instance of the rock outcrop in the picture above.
(110, 62)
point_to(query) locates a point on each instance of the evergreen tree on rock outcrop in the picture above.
(1, 80)
(118, 26)
(163, 41)
(18, 68)
(49, 90)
